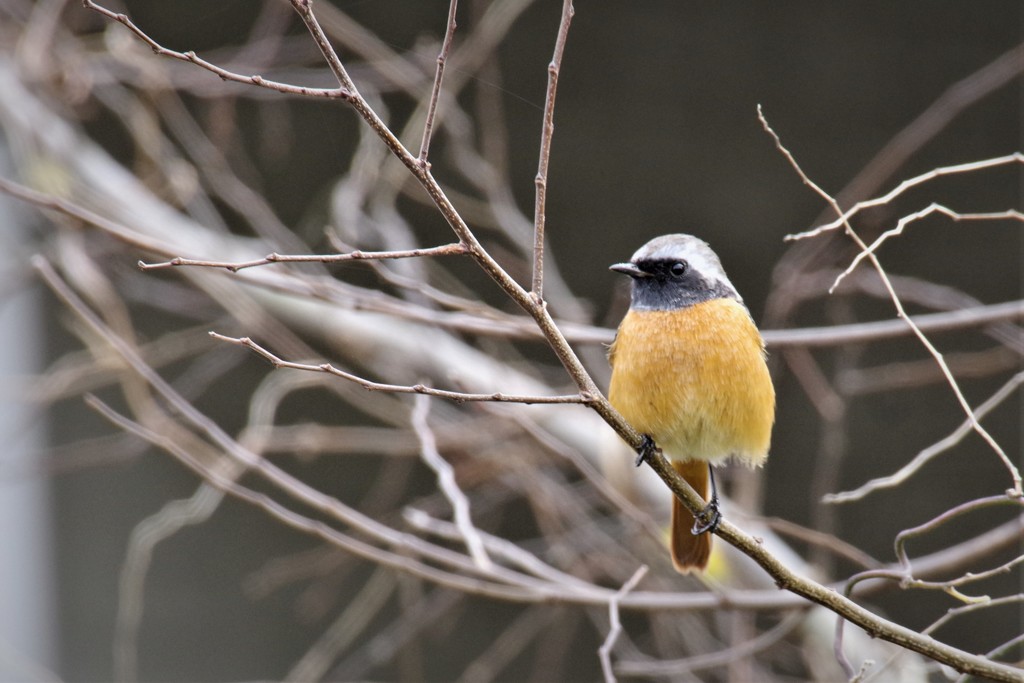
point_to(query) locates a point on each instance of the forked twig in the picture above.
(902, 223)
(604, 652)
(843, 220)
(843, 217)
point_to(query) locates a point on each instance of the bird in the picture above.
(689, 372)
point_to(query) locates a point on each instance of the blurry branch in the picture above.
(615, 624)
(520, 587)
(225, 480)
(449, 486)
(346, 627)
(713, 660)
(827, 541)
(843, 220)
(854, 333)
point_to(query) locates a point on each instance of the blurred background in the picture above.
(108, 573)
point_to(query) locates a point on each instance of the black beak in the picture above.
(629, 269)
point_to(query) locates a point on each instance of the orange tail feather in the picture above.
(689, 552)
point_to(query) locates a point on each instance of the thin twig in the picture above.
(537, 289)
(442, 59)
(234, 266)
(944, 518)
(674, 669)
(456, 396)
(925, 456)
(952, 614)
(843, 217)
(446, 481)
(952, 585)
(604, 652)
(193, 58)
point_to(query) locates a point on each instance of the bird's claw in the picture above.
(707, 520)
(646, 448)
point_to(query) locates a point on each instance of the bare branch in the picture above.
(545, 152)
(442, 59)
(925, 456)
(843, 217)
(450, 487)
(357, 255)
(456, 396)
(224, 74)
(944, 518)
(410, 554)
(354, 619)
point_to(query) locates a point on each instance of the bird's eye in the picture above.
(678, 268)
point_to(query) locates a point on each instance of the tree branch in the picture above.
(442, 59)
(357, 255)
(554, 67)
(456, 396)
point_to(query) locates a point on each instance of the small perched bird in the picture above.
(689, 372)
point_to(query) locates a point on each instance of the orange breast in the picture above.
(695, 380)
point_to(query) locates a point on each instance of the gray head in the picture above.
(675, 271)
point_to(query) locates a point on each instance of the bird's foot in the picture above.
(708, 519)
(646, 448)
